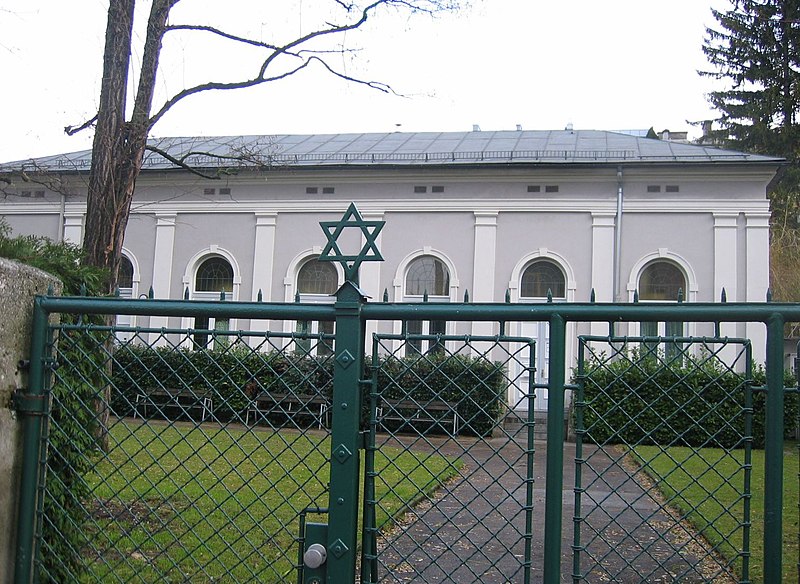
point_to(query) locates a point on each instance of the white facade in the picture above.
(598, 214)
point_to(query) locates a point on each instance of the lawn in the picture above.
(706, 485)
(215, 504)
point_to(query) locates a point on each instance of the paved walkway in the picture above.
(474, 528)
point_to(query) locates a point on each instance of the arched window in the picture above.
(427, 274)
(661, 281)
(316, 277)
(125, 278)
(541, 277)
(214, 275)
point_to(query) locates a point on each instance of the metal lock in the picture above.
(315, 556)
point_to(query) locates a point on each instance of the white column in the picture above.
(263, 262)
(725, 273)
(483, 266)
(725, 257)
(757, 276)
(602, 279)
(162, 265)
(73, 228)
(370, 277)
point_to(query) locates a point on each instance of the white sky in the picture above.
(615, 64)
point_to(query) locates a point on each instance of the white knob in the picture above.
(315, 556)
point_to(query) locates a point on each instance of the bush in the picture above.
(477, 386)
(640, 400)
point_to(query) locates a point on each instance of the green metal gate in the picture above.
(687, 420)
(477, 526)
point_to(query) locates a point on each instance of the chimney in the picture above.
(476, 128)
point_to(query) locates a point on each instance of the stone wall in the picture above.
(18, 285)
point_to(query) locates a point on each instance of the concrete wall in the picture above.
(18, 285)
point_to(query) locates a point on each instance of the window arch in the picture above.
(542, 277)
(427, 275)
(661, 280)
(125, 278)
(316, 277)
(215, 274)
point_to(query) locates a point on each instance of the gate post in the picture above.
(32, 404)
(345, 436)
(773, 452)
(554, 481)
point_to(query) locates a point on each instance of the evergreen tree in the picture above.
(756, 49)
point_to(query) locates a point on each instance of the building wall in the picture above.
(488, 223)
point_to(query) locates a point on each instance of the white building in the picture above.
(521, 212)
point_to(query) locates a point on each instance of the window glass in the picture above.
(661, 281)
(541, 276)
(317, 277)
(429, 275)
(214, 275)
(125, 279)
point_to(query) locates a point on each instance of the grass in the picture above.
(705, 485)
(189, 504)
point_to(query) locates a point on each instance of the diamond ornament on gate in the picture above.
(369, 251)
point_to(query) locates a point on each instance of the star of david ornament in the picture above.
(369, 251)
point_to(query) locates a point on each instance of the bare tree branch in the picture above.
(72, 130)
(289, 50)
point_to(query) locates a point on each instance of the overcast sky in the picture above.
(617, 64)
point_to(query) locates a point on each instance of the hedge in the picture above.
(476, 386)
(639, 400)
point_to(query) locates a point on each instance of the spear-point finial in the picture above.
(83, 289)
(466, 296)
(549, 295)
(186, 293)
(508, 296)
(769, 295)
(50, 290)
(592, 296)
(680, 295)
(635, 296)
(222, 295)
(297, 296)
(386, 295)
(151, 294)
(425, 295)
(723, 296)
(260, 296)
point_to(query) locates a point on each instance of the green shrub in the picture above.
(640, 400)
(477, 386)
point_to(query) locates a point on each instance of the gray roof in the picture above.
(416, 149)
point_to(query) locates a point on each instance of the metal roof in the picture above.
(414, 149)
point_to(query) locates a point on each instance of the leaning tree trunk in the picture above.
(117, 154)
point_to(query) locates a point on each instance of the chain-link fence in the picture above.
(185, 454)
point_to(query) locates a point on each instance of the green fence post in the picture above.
(773, 453)
(31, 446)
(554, 482)
(345, 444)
